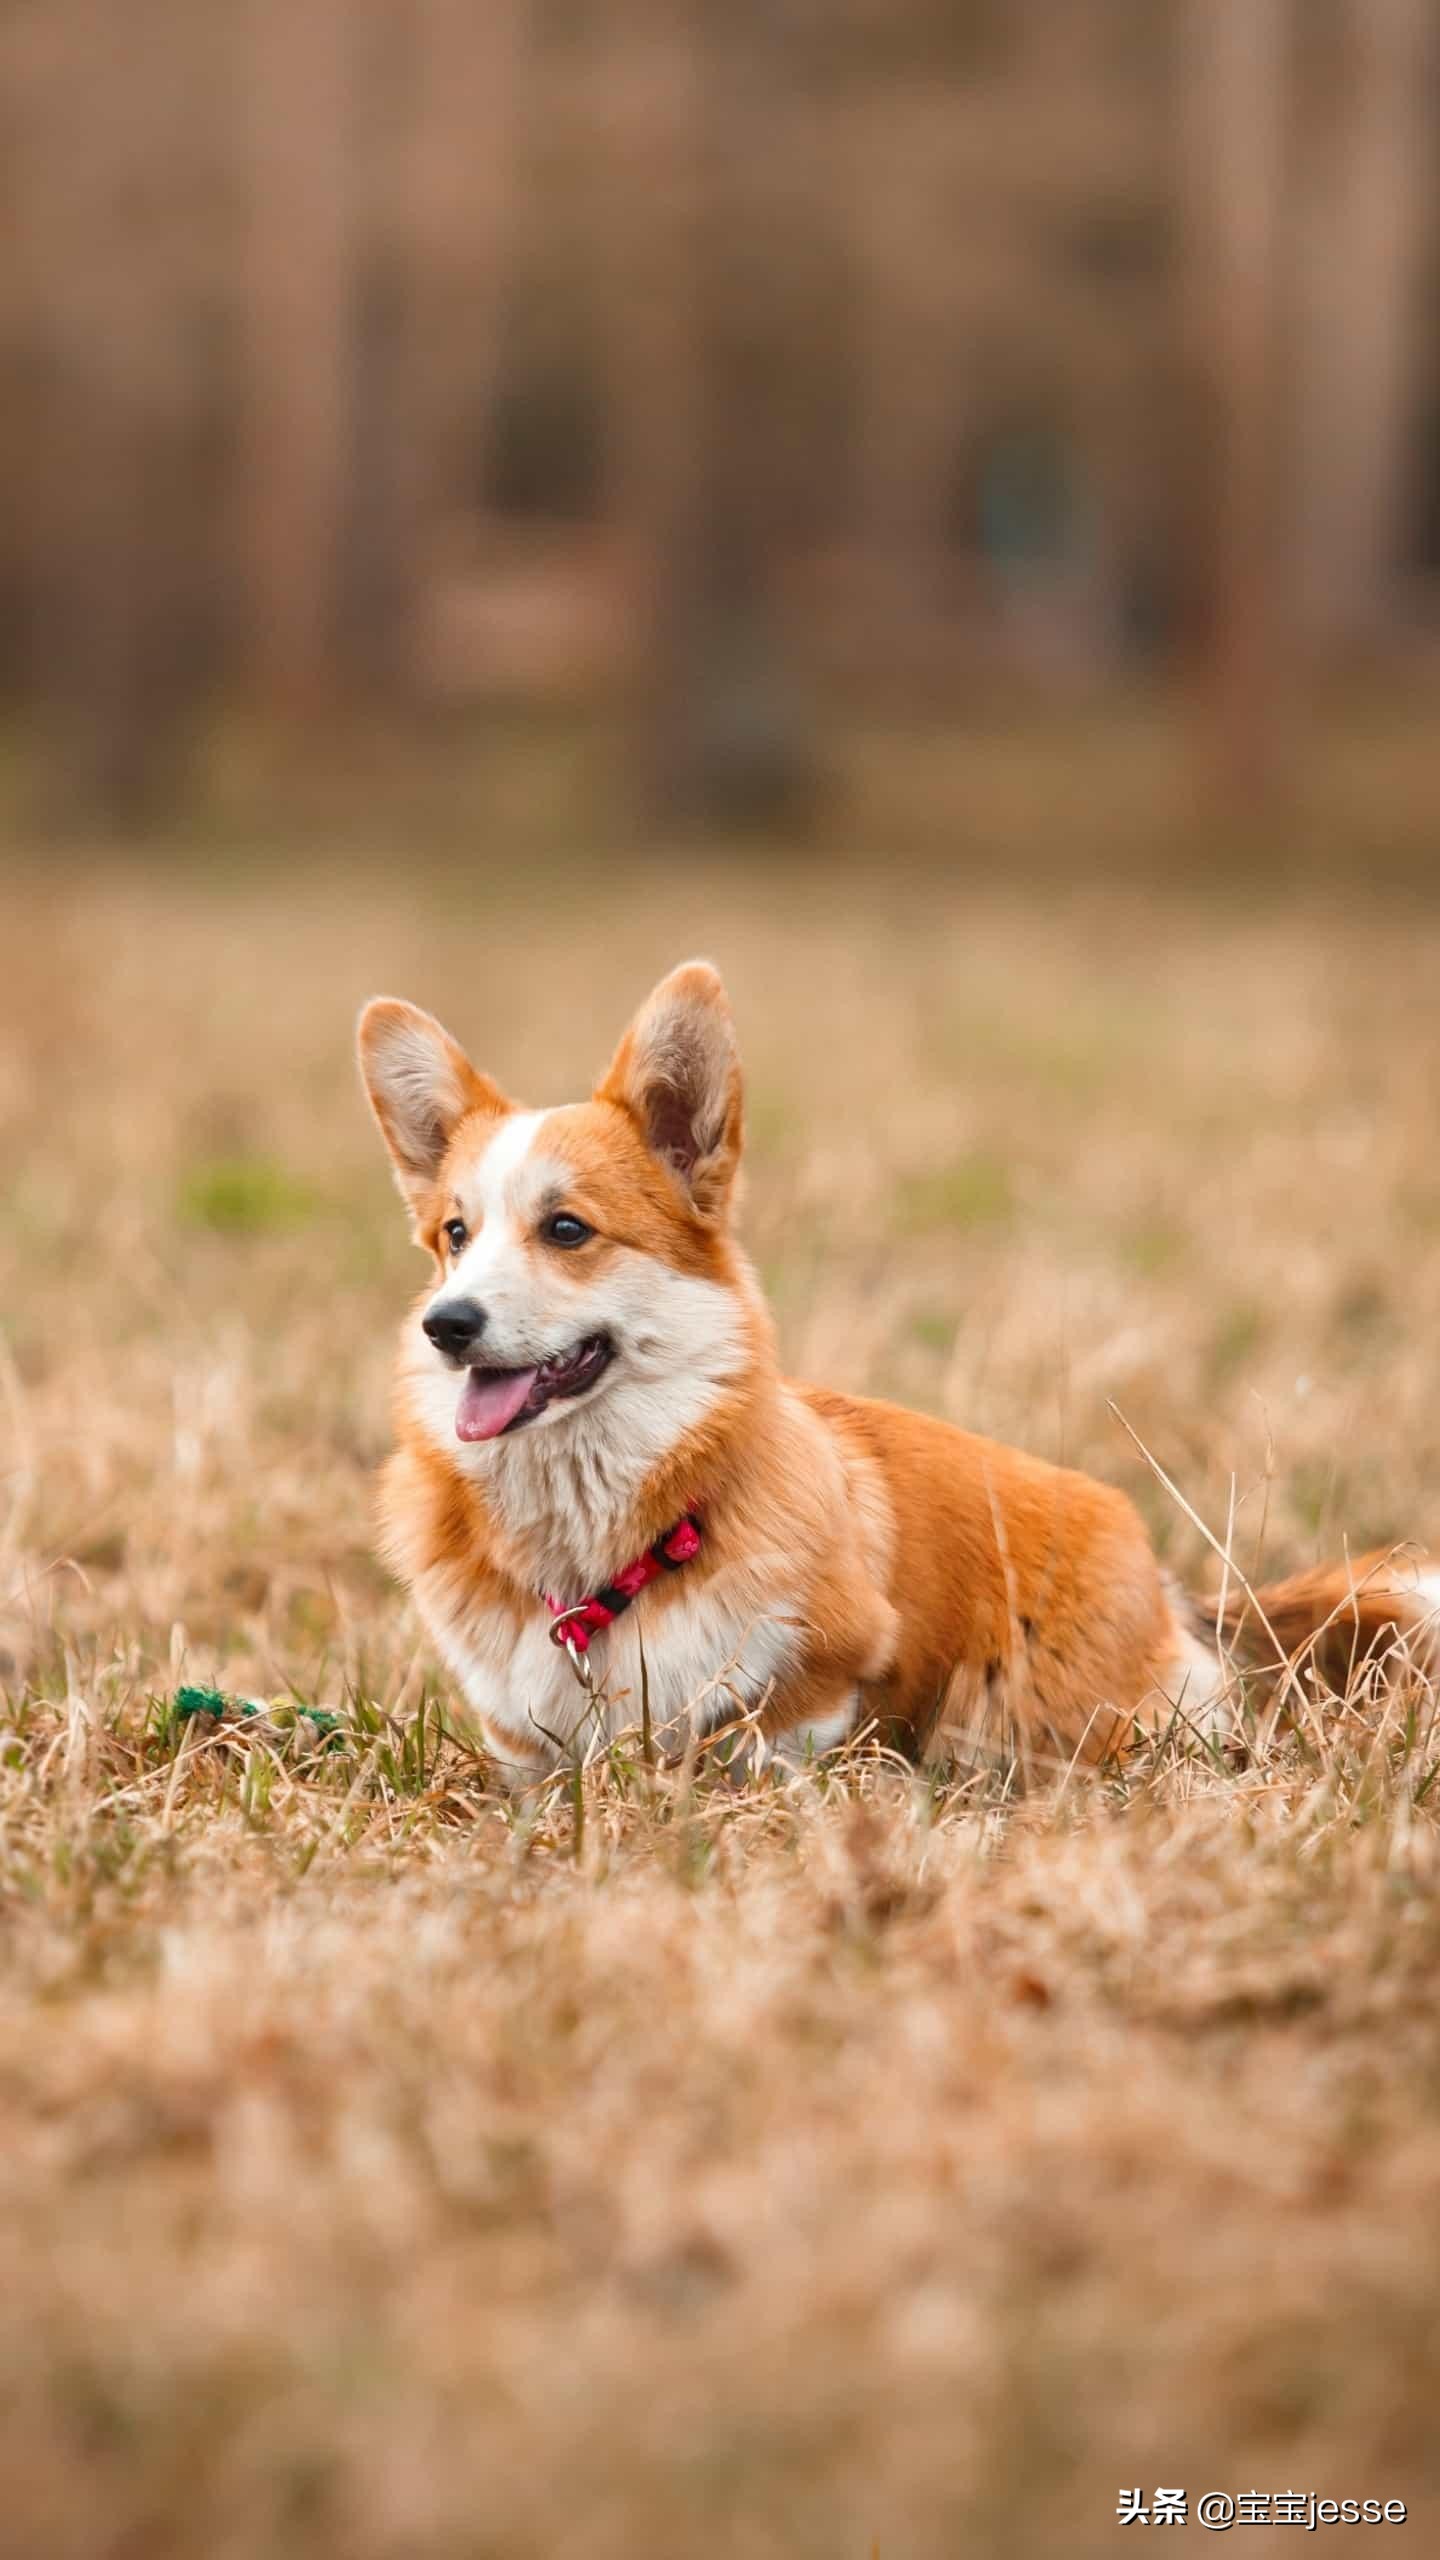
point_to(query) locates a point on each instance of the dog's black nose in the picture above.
(455, 1326)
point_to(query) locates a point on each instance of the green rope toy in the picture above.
(219, 1702)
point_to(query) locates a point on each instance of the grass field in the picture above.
(870, 2166)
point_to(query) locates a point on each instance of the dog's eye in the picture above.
(456, 1233)
(562, 1229)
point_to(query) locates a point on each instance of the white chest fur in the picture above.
(711, 1653)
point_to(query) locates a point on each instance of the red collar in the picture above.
(575, 1626)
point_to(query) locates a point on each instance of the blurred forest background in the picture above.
(937, 504)
(726, 372)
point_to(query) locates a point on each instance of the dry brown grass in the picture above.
(866, 2166)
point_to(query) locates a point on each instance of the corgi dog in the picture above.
(607, 1500)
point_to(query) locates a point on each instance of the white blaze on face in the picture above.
(677, 1340)
(500, 1204)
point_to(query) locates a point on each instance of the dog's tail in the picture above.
(1376, 1615)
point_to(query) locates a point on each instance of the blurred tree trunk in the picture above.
(469, 137)
(912, 402)
(123, 561)
(1234, 64)
(1364, 241)
(722, 732)
(301, 282)
(443, 118)
(469, 148)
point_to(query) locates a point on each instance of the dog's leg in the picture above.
(818, 1732)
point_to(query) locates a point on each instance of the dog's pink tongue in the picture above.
(489, 1400)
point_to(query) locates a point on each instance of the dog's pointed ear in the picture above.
(677, 1073)
(421, 1085)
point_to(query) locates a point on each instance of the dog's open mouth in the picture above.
(496, 1400)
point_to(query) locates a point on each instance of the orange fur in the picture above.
(1336, 1619)
(862, 1562)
